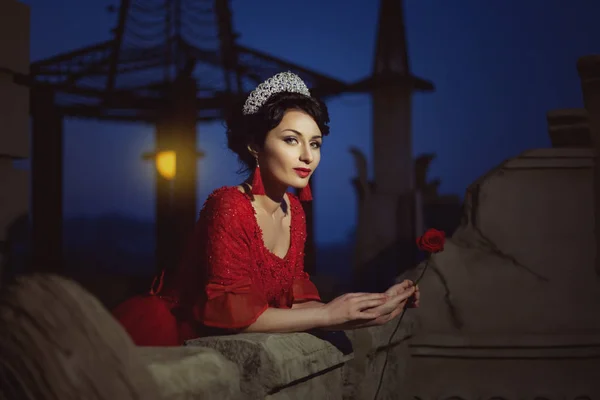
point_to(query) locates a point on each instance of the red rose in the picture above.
(432, 241)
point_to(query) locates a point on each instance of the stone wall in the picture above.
(302, 366)
(513, 300)
(14, 115)
(511, 305)
(57, 339)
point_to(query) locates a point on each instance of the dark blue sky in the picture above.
(498, 67)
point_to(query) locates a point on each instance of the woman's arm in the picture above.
(348, 307)
(397, 297)
(289, 320)
(307, 304)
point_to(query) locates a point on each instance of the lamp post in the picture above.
(165, 162)
(171, 224)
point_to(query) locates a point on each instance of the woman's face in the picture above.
(292, 150)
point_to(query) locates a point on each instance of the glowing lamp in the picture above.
(166, 164)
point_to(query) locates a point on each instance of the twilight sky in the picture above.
(498, 67)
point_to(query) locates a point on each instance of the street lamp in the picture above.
(166, 162)
(175, 191)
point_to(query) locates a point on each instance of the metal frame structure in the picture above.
(128, 78)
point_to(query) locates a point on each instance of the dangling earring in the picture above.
(305, 193)
(257, 184)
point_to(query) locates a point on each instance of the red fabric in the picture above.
(304, 290)
(227, 279)
(305, 193)
(214, 290)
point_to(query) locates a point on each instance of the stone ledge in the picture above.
(371, 347)
(508, 340)
(497, 346)
(268, 362)
(243, 366)
(192, 373)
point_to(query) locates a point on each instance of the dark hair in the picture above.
(244, 130)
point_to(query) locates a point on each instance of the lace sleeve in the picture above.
(232, 301)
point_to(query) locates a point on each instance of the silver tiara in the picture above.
(282, 82)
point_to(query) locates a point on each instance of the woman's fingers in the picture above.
(414, 301)
(368, 296)
(400, 287)
(368, 314)
(396, 312)
(386, 307)
(407, 283)
(351, 295)
(393, 302)
(365, 304)
(371, 306)
(407, 293)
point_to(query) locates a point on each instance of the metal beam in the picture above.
(63, 74)
(116, 46)
(282, 64)
(64, 57)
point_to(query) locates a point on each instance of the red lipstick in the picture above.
(302, 172)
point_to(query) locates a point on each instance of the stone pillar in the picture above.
(47, 182)
(589, 72)
(14, 121)
(164, 220)
(393, 189)
(394, 195)
(386, 228)
(176, 200)
(392, 137)
(569, 128)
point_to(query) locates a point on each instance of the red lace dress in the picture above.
(227, 278)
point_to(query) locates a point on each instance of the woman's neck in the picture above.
(271, 205)
(273, 199)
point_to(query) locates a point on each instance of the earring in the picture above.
(257, 184)
(305, 193)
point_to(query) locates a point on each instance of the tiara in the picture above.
(282, 82)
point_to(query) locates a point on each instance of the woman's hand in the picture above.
(395, 298)
(353, 307)
(400, 296)
(413, 301)
(350, 311)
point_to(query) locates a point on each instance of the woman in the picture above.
(244, 268)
